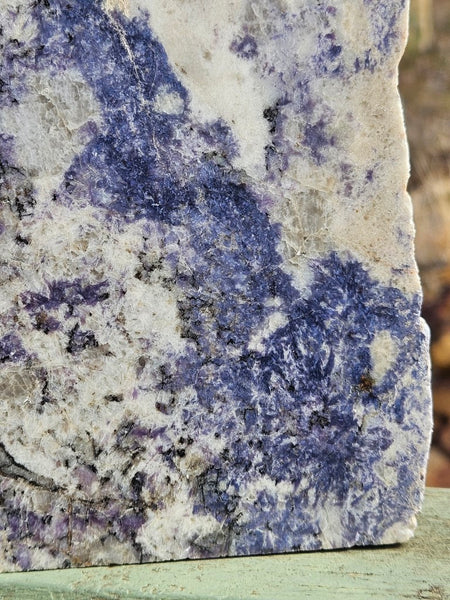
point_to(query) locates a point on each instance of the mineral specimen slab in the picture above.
(210, 333)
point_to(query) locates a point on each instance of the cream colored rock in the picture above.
(210, 335)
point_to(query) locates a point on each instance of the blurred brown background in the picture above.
(425, 90)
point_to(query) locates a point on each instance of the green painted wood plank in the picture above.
(419, 569)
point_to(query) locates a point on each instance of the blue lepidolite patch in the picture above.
(259, 422)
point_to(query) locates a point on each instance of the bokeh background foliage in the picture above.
(425, 90)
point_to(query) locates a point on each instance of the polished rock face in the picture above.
(210, 341)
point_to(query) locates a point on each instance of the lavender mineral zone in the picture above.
(210, 333)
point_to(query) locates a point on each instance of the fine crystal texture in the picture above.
(210, 332)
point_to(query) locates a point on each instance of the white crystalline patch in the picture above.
(22, 27)
(169, 532)
(65, 245)
(329, 518)
(272, 323)
(203, 61)
(383, 354)
(151, 312)
(20, 390)
(111, 5)
(46, 123)
(399, 532)
(168, 102)
(281, 490)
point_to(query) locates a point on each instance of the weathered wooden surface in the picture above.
(419, 569)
